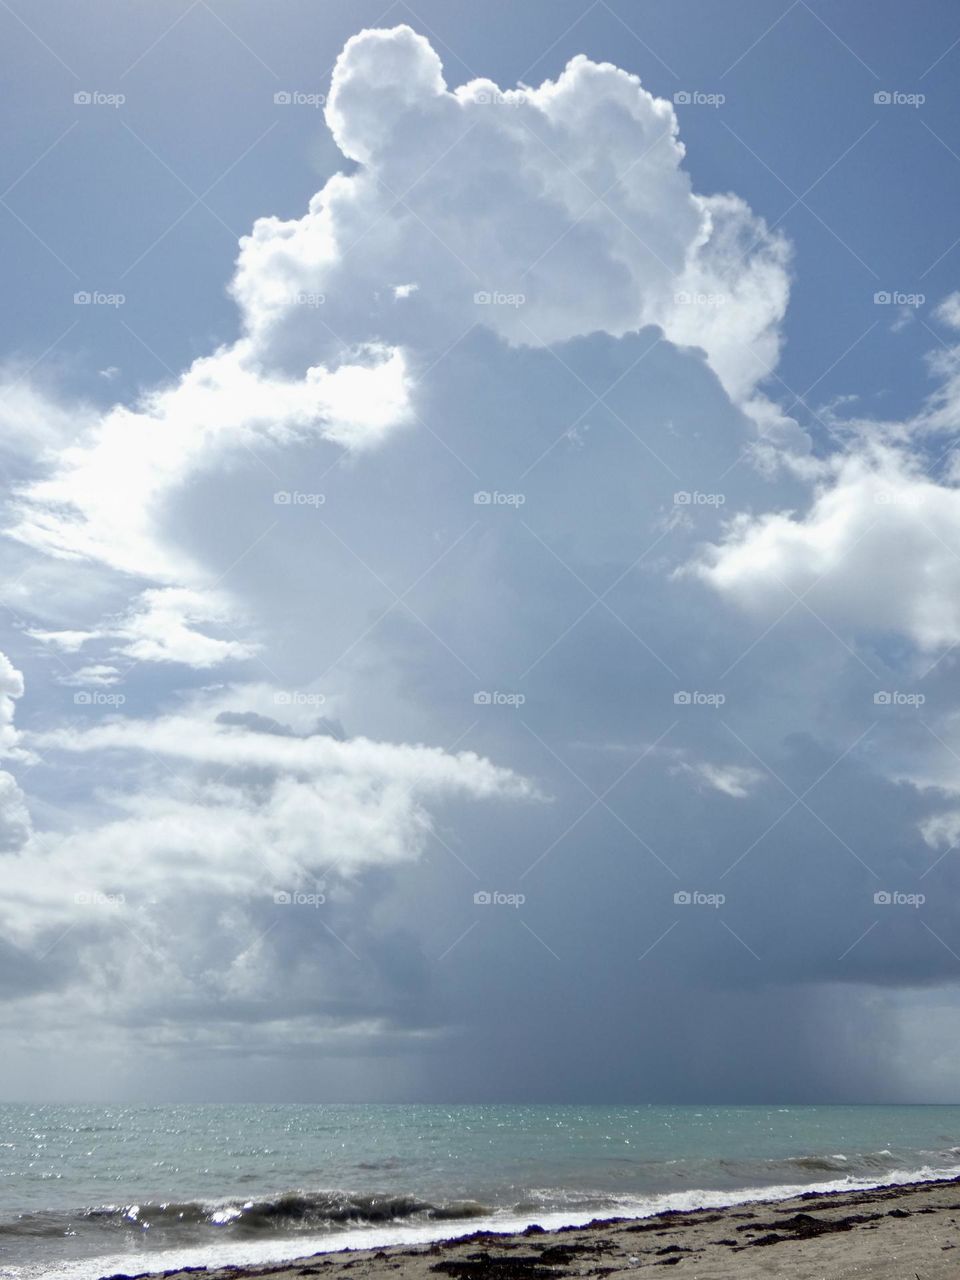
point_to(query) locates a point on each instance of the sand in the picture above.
(886, 1233)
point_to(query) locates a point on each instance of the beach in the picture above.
(884, 1233)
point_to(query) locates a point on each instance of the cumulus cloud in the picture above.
(509, 215)
(11, 689)
(506, 211)
(105, 495)
(250, 806)
(515, 361)
(876, 550)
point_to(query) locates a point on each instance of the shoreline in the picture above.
(892, 1231)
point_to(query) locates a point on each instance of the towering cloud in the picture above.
(482, 567)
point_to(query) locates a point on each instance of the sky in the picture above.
(480, 544)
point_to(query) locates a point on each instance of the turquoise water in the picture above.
(87, 1191)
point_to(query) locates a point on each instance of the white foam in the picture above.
(253, 1253)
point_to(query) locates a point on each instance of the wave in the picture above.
(258, 1248)
(287, 1213)
(239, 1230)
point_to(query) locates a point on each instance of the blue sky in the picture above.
(502, 479)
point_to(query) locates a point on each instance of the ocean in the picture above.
(88, 1191)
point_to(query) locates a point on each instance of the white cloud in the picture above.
(64, 641)
(876, 550)
(104, 499)
(467, 192)
(508, 195)
(736, 781)
(97, 673)
(948, 312)
(243, 811)
(15, 823)
(202, 740)
(570, 205)
(11, 688)
(35, 424)
(161, 626)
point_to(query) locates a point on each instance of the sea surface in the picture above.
(89, 1191)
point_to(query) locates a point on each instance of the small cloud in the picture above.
(732, 780)
(948, 312)
(65, 641)
(405, 290)
(99, 674)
